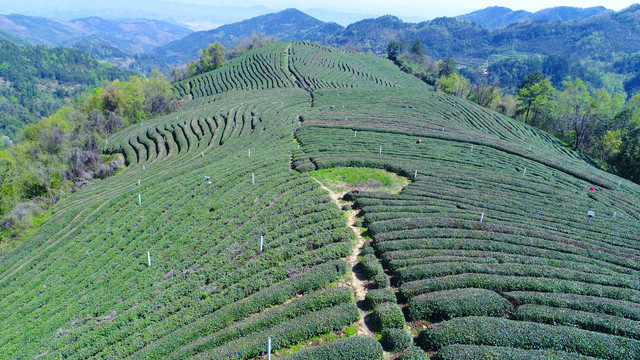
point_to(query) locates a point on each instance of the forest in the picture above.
(36, 81)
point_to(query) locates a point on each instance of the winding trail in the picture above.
(356, 279)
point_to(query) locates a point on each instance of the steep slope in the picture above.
(207, 245)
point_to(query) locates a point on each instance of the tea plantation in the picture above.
(210, 243)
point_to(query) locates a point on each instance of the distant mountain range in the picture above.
(286, 25)
(481, 37)
(495, 17)
(132, 36)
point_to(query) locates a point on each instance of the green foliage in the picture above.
(412, 353)
(387, 315)
(473, 352)
(395, 340)
(443, 305)
(209, 59)
(60, 153)
(355, 347)
(526, 335)
(37, 81)
(378, 296)
(534, 93)
(371, 266)
(582, 319)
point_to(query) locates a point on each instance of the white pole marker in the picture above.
(524, 171)
(138, 182)
(249, 152)
(481, 217)
(253, 179)
(261, 242)
(415, 174)
(139, 199)
(380, 150)
(269, 348)
(149, 258)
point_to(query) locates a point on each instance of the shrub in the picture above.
(388, 315)
(346, 207)
(443, 305)
(378, 296)
(474, 352)
(355, 347)
(381, 280)
(585, 320)
(396, 339)
(371, 266)
(412, 353)
(367, 250)
(358, 223)
(475, 330)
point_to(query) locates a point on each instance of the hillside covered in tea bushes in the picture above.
(215, 241)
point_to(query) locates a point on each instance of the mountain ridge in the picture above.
(495, 17)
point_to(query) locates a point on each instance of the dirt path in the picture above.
(356, 279)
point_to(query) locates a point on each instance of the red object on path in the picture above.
(592, 189)
(332, 106)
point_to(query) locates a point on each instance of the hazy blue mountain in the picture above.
(286, 25)
(130, 35)
(197, 16)
(495, 17)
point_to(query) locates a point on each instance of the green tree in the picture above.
(586, 116)
(417, 49)
(454, 84)
(395, 49)
(534, 94)
(209, 59)
(446, 67)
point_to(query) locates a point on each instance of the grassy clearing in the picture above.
(347, 178)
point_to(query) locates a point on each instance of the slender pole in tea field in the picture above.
(253, 179)
(481, 216)
(139, 199)
(149, 258)
(261, 242)
(524, 171)
(269, 348)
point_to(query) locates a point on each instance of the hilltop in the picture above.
(216, 237)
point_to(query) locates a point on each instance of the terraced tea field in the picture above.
(209, 243)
